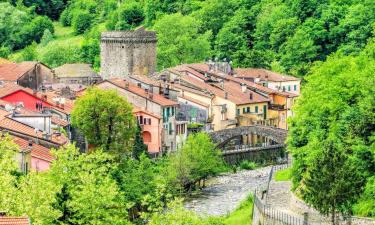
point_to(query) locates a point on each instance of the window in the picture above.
(238, 112)
(283, 88)
(288, 87)
(149, 121)
(172, 111)
(243, 110)
(141, 120)
(256, 109)
(248, 109)
(168, 112)
(295, 87)
(170, 129)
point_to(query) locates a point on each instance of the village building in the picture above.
(151, 129)
(151, 102)
(26, 74)
(78, 73)
(270, 79)
(207, 82)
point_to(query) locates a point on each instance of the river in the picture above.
(225, 192)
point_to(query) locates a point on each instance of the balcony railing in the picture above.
(276, 107)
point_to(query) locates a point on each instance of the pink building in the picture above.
(32, 156)
(151, 129)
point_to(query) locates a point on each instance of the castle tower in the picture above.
(124, 53)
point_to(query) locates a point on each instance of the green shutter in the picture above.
(256, 109)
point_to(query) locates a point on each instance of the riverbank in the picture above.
(225, 192)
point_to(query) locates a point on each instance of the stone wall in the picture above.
(125, 53)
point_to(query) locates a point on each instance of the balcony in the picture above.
(276, 107)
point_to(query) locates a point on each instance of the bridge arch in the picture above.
(221, 137)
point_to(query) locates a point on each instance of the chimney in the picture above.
(139, 85)
(226, 95)
(222, 84)
(151, 88)
(45, 135)
(126, 85)
(251, 96)
(243, 87)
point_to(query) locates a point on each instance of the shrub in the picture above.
(248, 165)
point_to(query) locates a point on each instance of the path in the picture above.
(227, 191)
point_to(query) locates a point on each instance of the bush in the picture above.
(66, 18)
(58, 54)
(39, 25)
(81, 22)
(126, 17)
(248, 165)
(47, 37)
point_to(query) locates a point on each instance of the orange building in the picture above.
(151, 129)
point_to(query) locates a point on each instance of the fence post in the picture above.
(305, 218)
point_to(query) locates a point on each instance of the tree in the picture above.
(81, 21)
(336, 107)
(50, 8)
(46, 38)
(196, 160)
(139, 147)
(29, 53)
(87, 194)
(126, 17)
(183, 43)
(106, 120)
(331, 183)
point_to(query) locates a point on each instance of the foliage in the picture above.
(139, 147)
(176, 214)
(81, 21)
(126, 17)
(183, 43)
(194, 125)
(366, 204)
(196, 160)
(335, 107)
(57, 54)
(242, 215)
(29, 53)
(283, 175)
(106, 120)
(248, 165)
(46, 38)
(50, 8)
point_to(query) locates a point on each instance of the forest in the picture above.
(282, 35)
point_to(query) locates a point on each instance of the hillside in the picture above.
(282, 35)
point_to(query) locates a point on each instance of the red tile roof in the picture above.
(194, 100)
(4, 61)
(37, 150)
(136, 109)
(12, 220)
(263, 75)
(18, 127)
(9, 88)
(13, 71)
(231, 89)
(159, 99)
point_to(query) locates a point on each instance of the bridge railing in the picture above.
(245, 148)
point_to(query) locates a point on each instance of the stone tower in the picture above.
(124, 53)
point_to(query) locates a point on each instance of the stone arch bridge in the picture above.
(221, 137)
(265, 152)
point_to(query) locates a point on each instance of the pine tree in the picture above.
(331, 183)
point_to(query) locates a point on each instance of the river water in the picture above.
(225, 192)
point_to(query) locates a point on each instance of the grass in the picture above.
(242, 215)
(248, 165)
(283, 175)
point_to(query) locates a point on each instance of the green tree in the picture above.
(139, 147)
(126, 17)
(81, 21)
(335, 106)
(50, 8)
(183, 43)
(58, 54)
(46, 38)
(331, 184)
(29, 53)
(106, 120)
(4, 52)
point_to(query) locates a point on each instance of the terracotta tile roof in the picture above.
(4, 61)
(159, 99)
(18, 127)
(263, 75)
(75, 70)
(13, 71)
(231, 89)
(9, 88)
(194, 100)
(136, 109)
(145, 79)
(37, 150)
(12, 220)
(203, 68)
